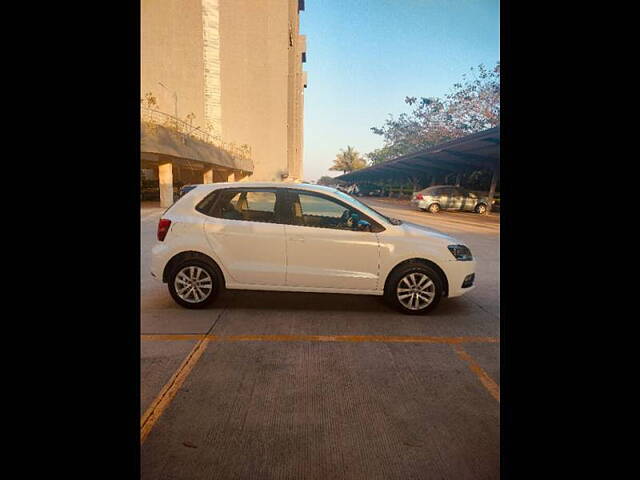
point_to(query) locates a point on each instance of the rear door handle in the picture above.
(296, 239)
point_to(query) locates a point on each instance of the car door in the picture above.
(444, 197)
(470, 201)
(245, 229)
(456, 199)
(323, 251)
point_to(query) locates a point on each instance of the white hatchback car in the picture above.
(302, 238)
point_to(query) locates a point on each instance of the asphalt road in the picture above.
(293, 385)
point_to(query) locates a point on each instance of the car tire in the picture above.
(422, 283)
(434, 208)
(192, 273)
(481, 208)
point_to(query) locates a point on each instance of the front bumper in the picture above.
(457, 272)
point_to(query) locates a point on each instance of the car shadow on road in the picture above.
(327, 302)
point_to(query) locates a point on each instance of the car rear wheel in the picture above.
(481, 208)
(194, 283)
(414, 289)
(434, 208)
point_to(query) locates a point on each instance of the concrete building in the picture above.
(226, 89)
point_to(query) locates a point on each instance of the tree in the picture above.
(348, 160)
(473, 105)
(386, 153)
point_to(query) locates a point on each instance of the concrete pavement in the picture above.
(294, 385)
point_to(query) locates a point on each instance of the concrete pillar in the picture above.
(207, 176)
(458, 178)
(165, 178)
(492, 189)
(230, 176)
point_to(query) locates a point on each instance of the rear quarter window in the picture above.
(206, 204)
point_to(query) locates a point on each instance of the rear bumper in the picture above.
(419, 203)
(160, 255)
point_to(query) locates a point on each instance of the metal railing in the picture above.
(156, 117)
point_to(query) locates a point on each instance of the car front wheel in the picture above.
(414, 289)
(194, 284)
(481, 208)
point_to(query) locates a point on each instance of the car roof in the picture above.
(298, 186)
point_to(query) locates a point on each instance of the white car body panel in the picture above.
(329, 258)
(268, 256)
(405, 242)
(253, 253)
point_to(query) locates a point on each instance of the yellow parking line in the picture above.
(486, 380)
(322, 338)
(169, 391)
(162, 401)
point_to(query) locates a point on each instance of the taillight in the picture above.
(419, 197)
(163, 228)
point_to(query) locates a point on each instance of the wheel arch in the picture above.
(193, 255)
(426, 262)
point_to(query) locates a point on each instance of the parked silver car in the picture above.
(446, 197)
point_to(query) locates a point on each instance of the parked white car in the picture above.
(302, 238)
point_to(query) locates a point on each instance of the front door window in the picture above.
(321, 212)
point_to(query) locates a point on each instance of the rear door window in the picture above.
(248, 206)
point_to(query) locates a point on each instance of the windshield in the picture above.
(349, 198)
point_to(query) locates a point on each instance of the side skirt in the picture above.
(285, 288)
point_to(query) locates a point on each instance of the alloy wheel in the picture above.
(193, 284)
(416, 291)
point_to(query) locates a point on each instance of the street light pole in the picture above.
(175, 98)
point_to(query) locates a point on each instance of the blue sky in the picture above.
(365, 56)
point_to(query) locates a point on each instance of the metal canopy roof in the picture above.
(475, 151)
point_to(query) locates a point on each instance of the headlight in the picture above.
(461, 252)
